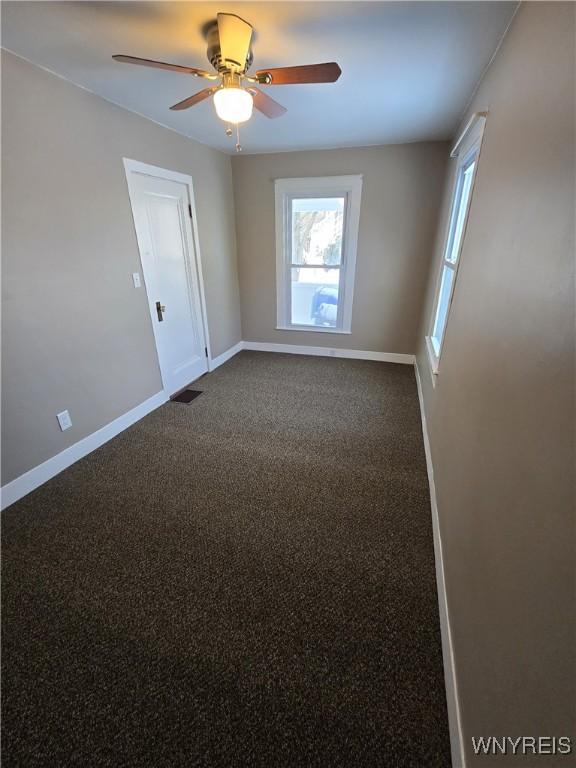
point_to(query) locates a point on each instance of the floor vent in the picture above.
(186, 396)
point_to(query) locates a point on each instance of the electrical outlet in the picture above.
(136, 279)
(64, 420)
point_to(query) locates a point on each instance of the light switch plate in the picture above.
(64, 420)
(136, 279)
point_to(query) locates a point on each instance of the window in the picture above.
(467, 150)
(316, 237)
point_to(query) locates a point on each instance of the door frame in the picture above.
(193, 245)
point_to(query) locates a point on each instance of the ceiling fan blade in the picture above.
(195, 99)
(309, 73)
(163, 65)
(235, 37)
(263, 103)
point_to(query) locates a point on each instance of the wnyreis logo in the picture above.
(522, 745)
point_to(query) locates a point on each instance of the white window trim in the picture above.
(349, 187)
(468, 143)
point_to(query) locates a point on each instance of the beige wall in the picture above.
(76, 333)
(501, 418)
(400, 197)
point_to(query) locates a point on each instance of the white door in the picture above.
(162, 209)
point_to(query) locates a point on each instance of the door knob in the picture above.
(160, 309)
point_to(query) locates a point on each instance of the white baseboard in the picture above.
(453, 703)
(354, 354)
(225, 356)
(35, 477)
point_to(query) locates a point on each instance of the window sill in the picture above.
(432, 360)
(311, 328)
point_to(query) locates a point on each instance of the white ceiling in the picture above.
(408, 68)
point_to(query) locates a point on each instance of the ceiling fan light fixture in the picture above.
(229, 40)
(233, 105)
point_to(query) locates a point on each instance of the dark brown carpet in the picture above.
(247, 581)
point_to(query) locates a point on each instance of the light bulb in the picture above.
(233, 105)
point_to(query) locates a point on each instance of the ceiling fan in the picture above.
(229, 41)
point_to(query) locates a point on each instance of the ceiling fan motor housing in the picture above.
(214, 53)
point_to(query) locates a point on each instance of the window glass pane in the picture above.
(460, 211)
(317, 225)
(314, 296)
(442, 310)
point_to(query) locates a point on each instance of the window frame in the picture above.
(466, 149)
(285, 190)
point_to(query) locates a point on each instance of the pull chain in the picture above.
(229, 133)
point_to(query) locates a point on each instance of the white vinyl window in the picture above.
(316, 239)
(467, 150)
